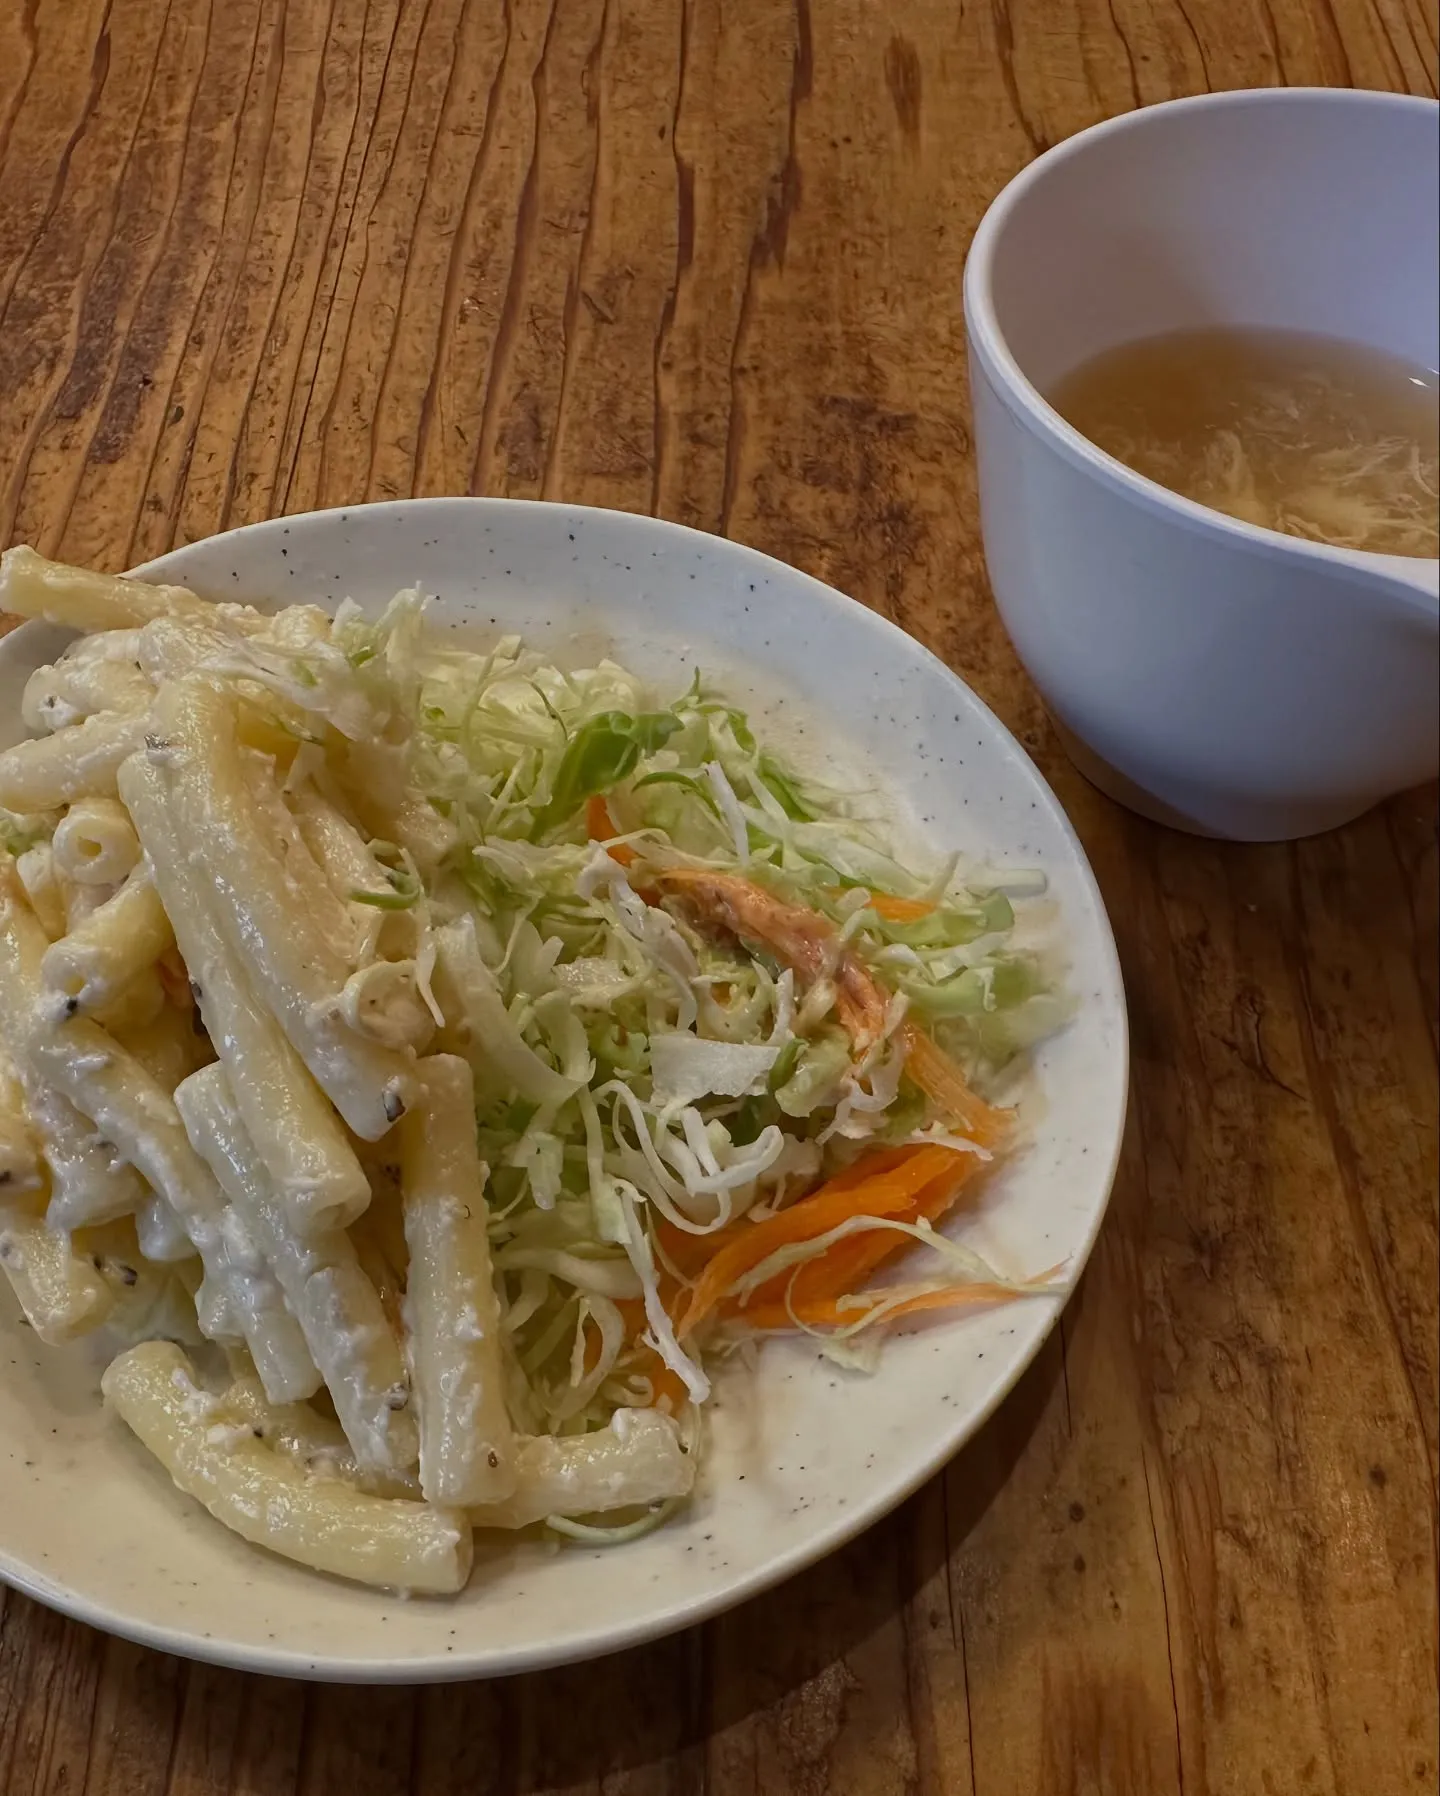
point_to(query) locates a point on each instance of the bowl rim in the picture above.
(1413, 580)
(489, 1662)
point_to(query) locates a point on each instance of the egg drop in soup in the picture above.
(1303, 434)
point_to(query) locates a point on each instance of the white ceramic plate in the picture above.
(801, 1456)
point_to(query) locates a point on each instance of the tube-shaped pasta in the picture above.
(135, 1006)
(89, 1183)
(297, 972)
(422, 832)
(95, 842)
(477, 1021)
(80, 901)
(77, 686)
(110, 1086)
(382, 1002)
(467, 1446)
(170, 1047)
(124, 937)
(635, 1461)
(382, 998)
(269, 1498)
(21, 1171)
(86, 1183)
(335, 1304)
(164, 1239)
(31, 586)
(272, 1333)
(305, 1150)
(318, 900)
(61, 1294)
(367, 772)
(103, 645)
(336, 844)
(343, 853)
(43, 774)
(36, 870)
(172, 647)
(314, 1441)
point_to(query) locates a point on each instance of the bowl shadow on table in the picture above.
(777, 1676)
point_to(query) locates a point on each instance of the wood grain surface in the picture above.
(704, 259)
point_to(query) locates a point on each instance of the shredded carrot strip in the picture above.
(900, 910)
(825, 1312)
(590, 1352)
(600, 827)
(892, 908)
(844, 1267)
(888, 1193)
(806, 941)
(944, 1084)
(667, 1388)
(689, 1254)
(632, 1314)
(801, 937)
(869, 1166)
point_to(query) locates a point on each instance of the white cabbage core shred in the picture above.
(730, 810)
(662, 1334)
(783, 1026)
(871, 1086)
(655, 930)
(685, 1067)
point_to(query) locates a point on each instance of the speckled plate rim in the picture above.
(23, 648)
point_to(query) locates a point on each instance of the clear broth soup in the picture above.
(1298, 433)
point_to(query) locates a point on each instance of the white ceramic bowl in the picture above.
(801, 1456)
(1210, 674)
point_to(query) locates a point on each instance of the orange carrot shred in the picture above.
(868, 1166)
(900, 910)
(825, 1312)
(888, 1193)
(803, 938)
(843, 1269)
(632, 1314)
(689, 1254)
(807, 942)
(944, 1084)
(667, 1388)
(888, 905)
(600, 827)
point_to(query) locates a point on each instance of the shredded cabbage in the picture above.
(642, 1075)
(635, 1069)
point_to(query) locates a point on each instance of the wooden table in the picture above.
(705, 260)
